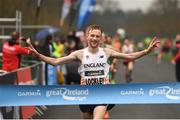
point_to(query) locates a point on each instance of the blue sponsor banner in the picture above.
(160, 93)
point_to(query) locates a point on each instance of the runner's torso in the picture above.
(94, 68)
(127, 49)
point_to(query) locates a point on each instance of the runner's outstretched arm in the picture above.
(50, 60)
(132, 56)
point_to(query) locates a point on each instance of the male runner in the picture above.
(94, 67)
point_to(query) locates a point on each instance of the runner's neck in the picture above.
(93, 50)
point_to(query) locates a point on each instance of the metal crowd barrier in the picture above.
(27, 75)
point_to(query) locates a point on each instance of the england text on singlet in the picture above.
(94, 68)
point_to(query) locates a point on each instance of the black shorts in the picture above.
(127, 62)
(90, 108)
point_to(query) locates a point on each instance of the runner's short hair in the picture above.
(93, 27)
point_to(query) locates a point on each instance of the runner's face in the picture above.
(93, 38)
(126, 42)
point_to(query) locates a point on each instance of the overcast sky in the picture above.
(124, 5)
(135, 4)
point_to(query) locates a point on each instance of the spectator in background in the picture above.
(12, 52)
(58, 47)
(45, 47)
(176, 59)
(107, 43)
(83, 42)
(73, 38)
(140, 46)
(167, 46)
(164, 50)
(116, 43)
(117, 46)
(58, 51)
(11, 60)
(72, 76)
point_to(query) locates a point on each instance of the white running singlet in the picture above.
(94, 68)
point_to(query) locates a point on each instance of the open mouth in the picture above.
(94, 43)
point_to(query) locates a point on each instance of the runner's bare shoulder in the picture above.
(108, 51)
(78, 54)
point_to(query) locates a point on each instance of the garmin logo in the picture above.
(94, 65)
(29, 93)
(132, 92)
(170, 93)
(67, 94)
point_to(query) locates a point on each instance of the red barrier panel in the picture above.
(24, 78)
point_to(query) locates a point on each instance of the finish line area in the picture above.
(153, 93)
